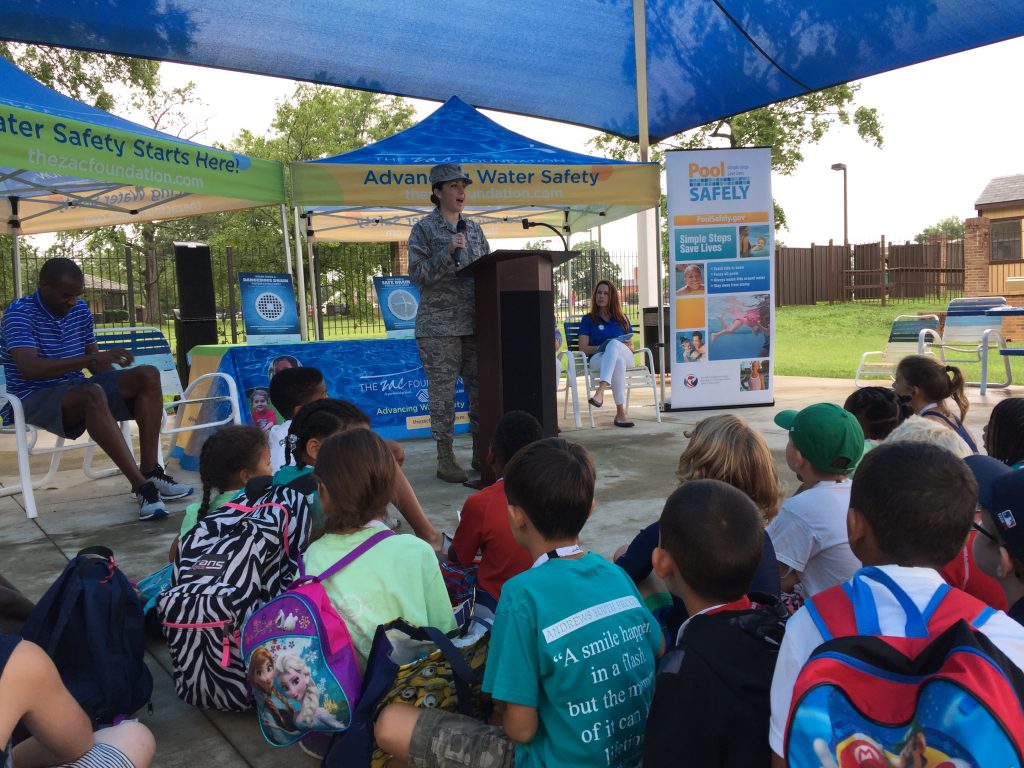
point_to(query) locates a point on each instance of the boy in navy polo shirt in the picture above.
(47, 342)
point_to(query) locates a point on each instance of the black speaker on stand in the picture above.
(196, 320)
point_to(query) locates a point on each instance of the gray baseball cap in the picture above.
(439, 174)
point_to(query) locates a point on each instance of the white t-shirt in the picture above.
(802, 636)
(277, 435)
(809, 535)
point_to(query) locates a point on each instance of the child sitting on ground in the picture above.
(399, 577)
(229, 458)
(724, 448)
(927, 384)
(999, 543)
(911, 507)
(1004, 434)
(290, 389)
(59, 731)
(960, 572)
(809, 533)
(483, 525)
(719, 672)
(314, 423)
(879, 410)
(571, 661)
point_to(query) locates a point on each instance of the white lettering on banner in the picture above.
(588, 616)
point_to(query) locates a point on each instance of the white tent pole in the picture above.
(301, 279)
(16, 264)
(643, 219)
(284, 238)
(663, 352)
(313, 293)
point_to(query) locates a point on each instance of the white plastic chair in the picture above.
(967, 336)
(26, 438)
(568, 383)
(150, 348)
(641, 374)
(903, 341)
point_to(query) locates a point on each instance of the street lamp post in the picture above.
(846, 218)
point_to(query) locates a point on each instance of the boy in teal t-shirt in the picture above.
(571, 660)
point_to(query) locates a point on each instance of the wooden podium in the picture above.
(515, 339)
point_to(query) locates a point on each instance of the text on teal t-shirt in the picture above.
(573, 639)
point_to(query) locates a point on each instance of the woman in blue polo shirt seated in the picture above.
(606, 339)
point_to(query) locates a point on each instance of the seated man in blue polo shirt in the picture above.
(47, 341)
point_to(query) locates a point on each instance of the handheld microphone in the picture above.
(460, 228)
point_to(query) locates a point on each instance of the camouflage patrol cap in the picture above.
(439, 174)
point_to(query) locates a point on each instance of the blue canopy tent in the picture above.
(599, 63)
(379, 191)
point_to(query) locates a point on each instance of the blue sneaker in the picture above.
(166, 485)
(150, 505)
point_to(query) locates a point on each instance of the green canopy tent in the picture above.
(66, 165)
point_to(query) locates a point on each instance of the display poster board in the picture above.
(268, 308)
(722, 242)
(399, 302)
(384, 377)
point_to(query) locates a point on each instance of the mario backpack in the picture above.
(942, 696)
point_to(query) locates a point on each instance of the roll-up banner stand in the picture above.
(722, 242)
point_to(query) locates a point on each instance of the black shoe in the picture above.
(626, 424)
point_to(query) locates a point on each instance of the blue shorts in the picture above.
(44, 409)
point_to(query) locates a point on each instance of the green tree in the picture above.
(581, 273)
(93, 78)
(951, 228)
(785, 126)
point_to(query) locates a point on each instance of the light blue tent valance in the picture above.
(700, 60)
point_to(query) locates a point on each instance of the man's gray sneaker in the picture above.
(150, 505)
(166, 485)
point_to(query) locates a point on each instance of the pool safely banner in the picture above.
(721, 244)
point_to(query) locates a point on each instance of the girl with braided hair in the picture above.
(927, 384)
(1004, 434)
(879, 410)
(230, 457)
(313, 424)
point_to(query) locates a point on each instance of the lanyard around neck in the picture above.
(573, 549)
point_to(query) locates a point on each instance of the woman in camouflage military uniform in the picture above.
(440, 244)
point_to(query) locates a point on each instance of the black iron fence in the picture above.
(127, 286)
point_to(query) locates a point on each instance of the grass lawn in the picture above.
(827, 340)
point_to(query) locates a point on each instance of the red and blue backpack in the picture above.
(942, 696)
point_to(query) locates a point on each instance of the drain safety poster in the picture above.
(268, 308)
(722, 241)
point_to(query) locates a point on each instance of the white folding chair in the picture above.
(903, 341)
(641, 374)
(150, 347)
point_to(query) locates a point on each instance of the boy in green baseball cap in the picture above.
(809, 533)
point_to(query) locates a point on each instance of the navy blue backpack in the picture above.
(90, 623)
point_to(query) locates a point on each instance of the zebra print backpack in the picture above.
(236, 559)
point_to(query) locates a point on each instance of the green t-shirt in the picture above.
(191, 517)
(397, 578)
(573, 639)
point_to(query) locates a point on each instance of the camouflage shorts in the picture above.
(448, 740)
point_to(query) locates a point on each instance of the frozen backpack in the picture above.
(236, 559)
(943, 696)
(301, 664)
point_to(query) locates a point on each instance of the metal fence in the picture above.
(127, 286)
